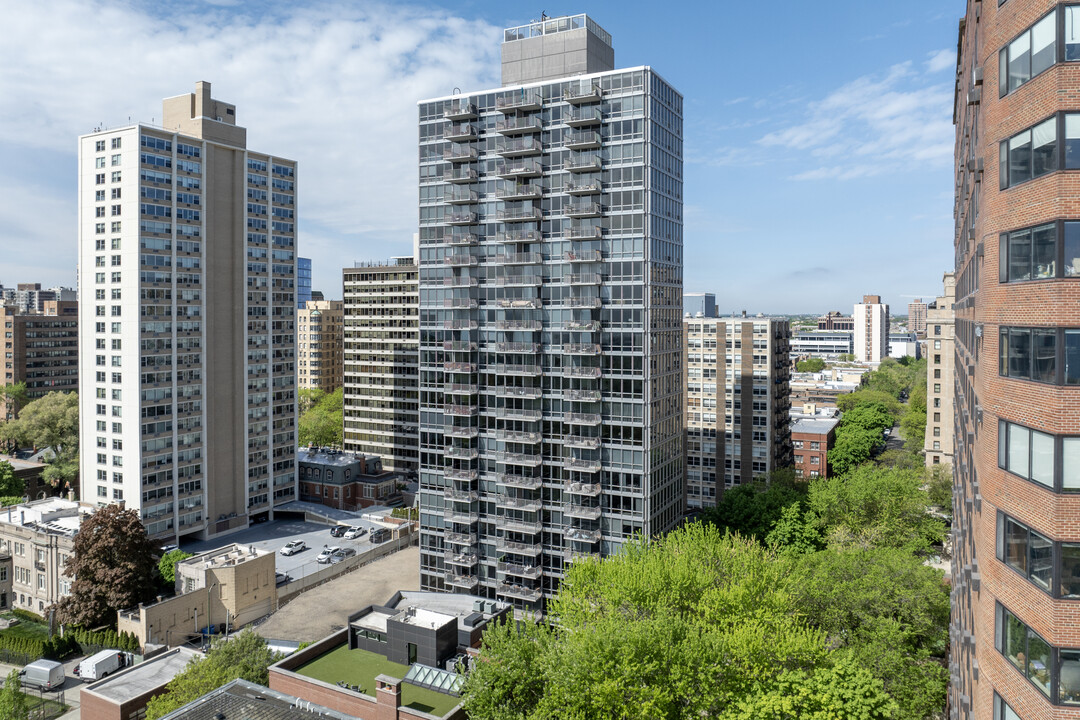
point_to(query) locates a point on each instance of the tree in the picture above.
(831, 693)
(854, 446)
(846, 357)
(913, 426)
(810, 365)
(753, 509)
(939, 487)
(323, 424)
(113, 567)
(870, 416)
(167, 565)
(307, 398)
(51, 422)
(13, 702)
(245, 656)
(9, 484)
(849, 401)
(13, 396)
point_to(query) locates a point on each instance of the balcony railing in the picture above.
(585, 512)
(582, 140)
(520, 591)
(530, 393)
(583, 117)
(460, 132)
(518, 325)
(582, 395)
(518, 125)
(461, 389)
(461, 411)
(460, 154)
(461, 495)
(460, 538)
(460, 218)
(460, 324)
(519, 281)
(580, 488)
(463, 475)
(515, 369)
(525, 258)
(518, 414)
(523, 504)
(521, 526)
(525, 459)
(576, 326)
(524, 215)
(460, 303)
(520, 100)
(583, 210)
(459, 345)
(461, 239)
(579, 95)
(518, 547)
(582, 418)
(524, 482)
(462, 559)
(524, 168)
(460, 282)
(582, 302)
(460, 111)
(460, 259)
(460, 175)
(573, 556)
(532, 572)
(461, 453)
(461, 198)
(585, 536)
(581, 349)
(577, 441)
(518, 436)
(588, 232)
(521, 303)
(465, 581)
(585, 163)
(519, 147)
(520, 192)
(585, 188)
(583, 372)
(516, 236)
(582, 465)
(460, 516)
(517, 347)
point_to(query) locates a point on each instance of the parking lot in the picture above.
(273, 535)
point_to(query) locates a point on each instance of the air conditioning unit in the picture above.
(975, 95)
(976, 76)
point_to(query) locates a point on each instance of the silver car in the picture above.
(325, 555)
(293, 546)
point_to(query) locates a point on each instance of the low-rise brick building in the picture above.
(345, 481)
(811, 441)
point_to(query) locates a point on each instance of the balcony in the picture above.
(518, 125)
(461, 259)
(529, 527)
(587, 232)
(581, 511)
(583, 117)
(459, 154)
(573, 556)
(526, 303)
(519, 281)
(583, 210)
(525, 459)
(517, 236)
(461, 389)
(584, 279)
(460, 282)
(459, 474)
(524, 168)
(584, 163)
(520, 591)
(461, 411)
(580, 488)
(517, 414)
(581, 442)
(581, 95)
(585, 536)
(582, 418)
(461, 239)
(528, 393)
(460, 175)
(460, 111)
(458, 132)
(461, 559)
(518, 325)
(460, 218)
(461, 495)
(459, 367)
(521, 100)
(518, 436)
(520, 147)
(530, 348)
(517, 370)
(582, 465)
(523, 191)
(577, 326)
(523, 504)
(585, 140)
(463, 517)
(461, 453)
(533, 572)
(522, 482)
(460, 303)
(465, 581)
(582, 302)
(585, 188)
(459, 345)
(524, 215)
(583, 372)
(460, 324)
(460, 198)
(591, 349)
(460, 538)
(518, 548)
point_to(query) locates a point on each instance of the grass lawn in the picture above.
(44, 707)
(359, 667)
(27, 629)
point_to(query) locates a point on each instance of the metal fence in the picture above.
(42, 704)
(312, 574)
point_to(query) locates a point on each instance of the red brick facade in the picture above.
(984, 303)
(811, 451)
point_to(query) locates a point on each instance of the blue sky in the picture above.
(818, 136)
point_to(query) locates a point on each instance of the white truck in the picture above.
(99, 665)
(43, 674)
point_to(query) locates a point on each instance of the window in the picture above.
(1002, 711)
(99, 162)
(99, 146)
(115, 176)
(1028, 354)
(99, 179)
(1025, 649)
(1026, 551)
(115, 143)
(1029, 154)
(1028, 55)
(1032, 455)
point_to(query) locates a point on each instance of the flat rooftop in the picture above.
(243, 699)
(814, 426)
(144, 677)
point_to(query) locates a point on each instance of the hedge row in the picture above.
(70, 643)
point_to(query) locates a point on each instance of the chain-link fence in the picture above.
(42, 704)
(312, 574)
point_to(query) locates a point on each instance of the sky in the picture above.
(817, 137)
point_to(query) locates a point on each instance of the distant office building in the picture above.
(940, 334)
(916, 317)
(827, 345)
(699, 304)
(382, 361)
(811, 440)
(835, 320)
(303, 281)
(319, 337)
(187, 312)
(551, 315)
(871, 318)
(737, 403)
(904, 344)
(41, 349)
(30, 298)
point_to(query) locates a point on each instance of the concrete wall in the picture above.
(547, 57)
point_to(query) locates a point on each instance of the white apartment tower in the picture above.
(871, 318)
(187, 342)
(550, 315)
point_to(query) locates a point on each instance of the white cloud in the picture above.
(331, 86)
(940, 60)
(872, 125)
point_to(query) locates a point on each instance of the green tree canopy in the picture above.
(811, 365)
(52, 422)
(753, 509)
(323, 424)
(848, 401)
(13, 702)
(167, 565)
(9, 484)
(873, 416)
(854, 446)
(113, 567)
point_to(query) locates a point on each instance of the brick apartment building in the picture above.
(811, 440)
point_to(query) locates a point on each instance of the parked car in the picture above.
(338, 531)
(380, 535)
(341, 553)
(294, 546)
(355, 532)
(327, 551)
(281, 578)
(43, 674)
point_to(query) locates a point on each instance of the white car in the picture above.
(355, 532)
(293, 546)
(327, 551)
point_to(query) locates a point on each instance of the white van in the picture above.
(44, 674)
(99, 665)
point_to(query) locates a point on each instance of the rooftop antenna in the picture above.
(543, 16)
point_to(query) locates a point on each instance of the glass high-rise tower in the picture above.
(550, 315)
